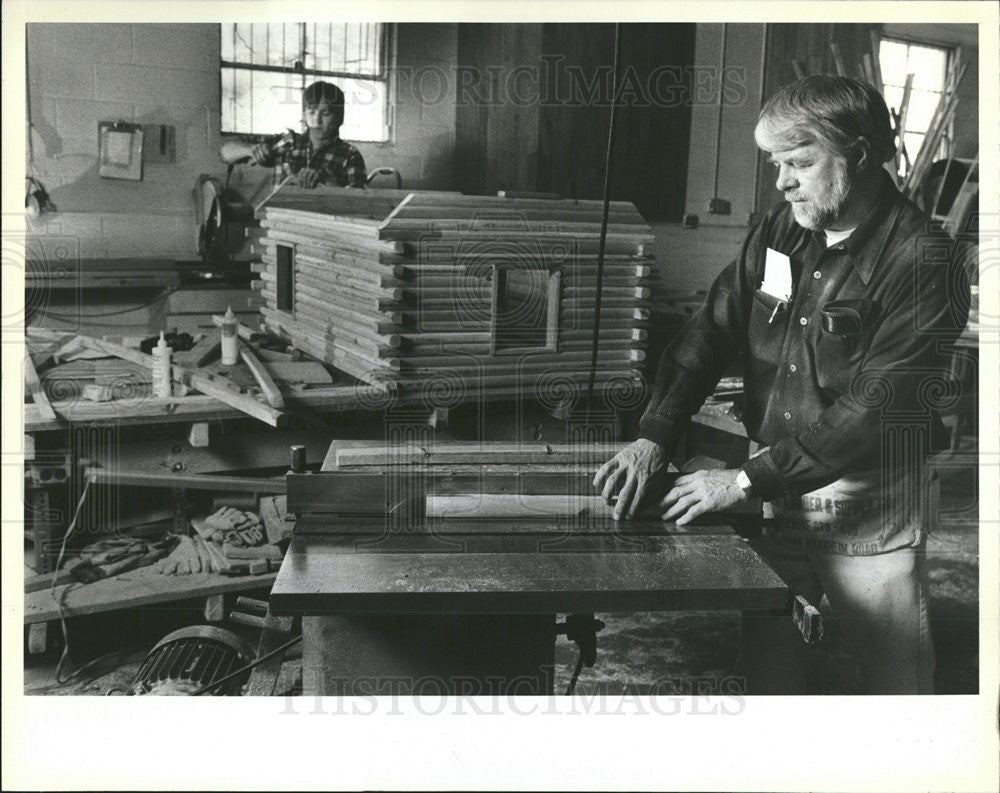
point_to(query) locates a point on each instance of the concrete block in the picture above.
(76, 44)
(79, 233)
(77, 118)
(56, 76)
(181, 46)
(153, 85)
(146, 235)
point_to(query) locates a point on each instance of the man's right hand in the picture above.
(237, 151)
(637, 463)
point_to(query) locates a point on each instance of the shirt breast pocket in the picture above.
(845, 333)
(768, 322)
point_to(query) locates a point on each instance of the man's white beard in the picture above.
(818, 213)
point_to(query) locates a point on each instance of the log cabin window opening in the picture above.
(265, 67)
(525, 310)
(284, 287)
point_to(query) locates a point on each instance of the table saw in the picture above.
(441, 568)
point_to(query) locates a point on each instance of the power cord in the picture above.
(160, 296)
(604, 218)
(58, 596)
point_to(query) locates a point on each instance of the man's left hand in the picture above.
(703, 491)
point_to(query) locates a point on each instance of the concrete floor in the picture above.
(637, 653)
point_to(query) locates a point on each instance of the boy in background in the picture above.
(319, 156)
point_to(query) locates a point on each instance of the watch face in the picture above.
(743, 480)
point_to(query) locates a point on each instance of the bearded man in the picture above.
(839, 308)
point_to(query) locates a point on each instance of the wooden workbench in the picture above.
(135, 589)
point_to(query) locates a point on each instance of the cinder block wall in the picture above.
(81, 74)
(151, 74)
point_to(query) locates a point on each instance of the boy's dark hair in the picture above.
(325, 92)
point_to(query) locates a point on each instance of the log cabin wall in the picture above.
(481, 296)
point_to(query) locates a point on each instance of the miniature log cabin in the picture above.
(448, 294)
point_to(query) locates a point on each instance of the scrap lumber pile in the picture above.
(75, 371)
(465, 295)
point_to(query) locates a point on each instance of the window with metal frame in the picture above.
(931, 68)
(265, 67)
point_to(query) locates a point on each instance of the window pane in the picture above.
(242, 42)
(226, 42)
(258, 43)
(928, 67)
(914, 140)
(892, 59)
(318, 47)
(893, 96)
(351, 48)
(262, 102)
(228, 103)
(291, 44)
(921, 110)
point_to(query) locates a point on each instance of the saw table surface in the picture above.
(503, 569)
(401, 578)
(386, 557)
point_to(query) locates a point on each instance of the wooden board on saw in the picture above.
(383, 490)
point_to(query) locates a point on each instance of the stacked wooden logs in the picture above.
(401, 289)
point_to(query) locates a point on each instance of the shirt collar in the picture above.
(865, 245)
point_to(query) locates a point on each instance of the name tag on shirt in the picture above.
(777, 275)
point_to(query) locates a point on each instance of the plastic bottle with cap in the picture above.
(161, 368)
(230, 339)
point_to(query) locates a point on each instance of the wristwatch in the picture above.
(745, 484)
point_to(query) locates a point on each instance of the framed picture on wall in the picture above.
(120, 150)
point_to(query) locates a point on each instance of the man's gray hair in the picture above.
(837, 112)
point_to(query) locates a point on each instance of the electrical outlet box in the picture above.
(719, 206)
(161, 143)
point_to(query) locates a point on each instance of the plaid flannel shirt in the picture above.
(338, 162)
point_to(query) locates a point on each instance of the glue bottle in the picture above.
(161, 368)
(230, 341)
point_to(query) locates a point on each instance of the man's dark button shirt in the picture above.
(859, 348)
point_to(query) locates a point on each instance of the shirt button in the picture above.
(788, 415)
(817, 274)
(803, 320)
(791, 367)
